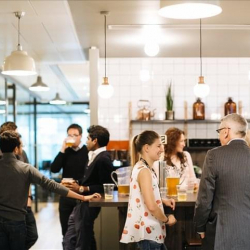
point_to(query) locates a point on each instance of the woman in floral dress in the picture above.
(145, 222)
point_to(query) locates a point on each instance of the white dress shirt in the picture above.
(93, 154)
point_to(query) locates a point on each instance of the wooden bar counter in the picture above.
(177, 235)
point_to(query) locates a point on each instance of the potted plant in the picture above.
(169, 114)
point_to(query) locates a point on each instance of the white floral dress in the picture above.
(140, 223)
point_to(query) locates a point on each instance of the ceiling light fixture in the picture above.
(201, 89)
(105, 90)
(19, 63)
(57, 100)
(39, 85)
(151, 48)
(189, 9)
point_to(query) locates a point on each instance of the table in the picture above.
(176, 235)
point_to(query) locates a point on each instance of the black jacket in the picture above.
(98, 173)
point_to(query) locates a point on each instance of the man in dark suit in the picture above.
(222, 211)
(80, 233)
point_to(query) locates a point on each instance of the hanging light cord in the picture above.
(18, 38)
(105, 41)
(200, 49)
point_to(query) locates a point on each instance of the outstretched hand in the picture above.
(92, 196)
(169, 203)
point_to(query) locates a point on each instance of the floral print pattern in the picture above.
(140, 223)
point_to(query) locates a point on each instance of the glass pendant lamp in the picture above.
(105, 90)
(201, 89)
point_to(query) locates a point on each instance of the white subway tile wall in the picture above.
(227, 77)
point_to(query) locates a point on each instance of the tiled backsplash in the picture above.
(227, 77)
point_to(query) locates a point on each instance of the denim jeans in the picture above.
(32, 234)
(12, 234)
(150, 245)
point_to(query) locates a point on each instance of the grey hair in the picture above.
(238, 122)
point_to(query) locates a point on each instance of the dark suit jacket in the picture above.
(98, 173)
(223, 205)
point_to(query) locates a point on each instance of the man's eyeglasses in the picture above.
(218, 130)
(73, 135)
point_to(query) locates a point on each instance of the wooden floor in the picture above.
(49, 228)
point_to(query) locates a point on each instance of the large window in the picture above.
(52, 123)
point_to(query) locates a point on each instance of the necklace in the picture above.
(145, 162)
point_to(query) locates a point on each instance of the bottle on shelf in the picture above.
(230, 107)
(199, 110)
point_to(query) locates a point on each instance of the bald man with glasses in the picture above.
(222, 210)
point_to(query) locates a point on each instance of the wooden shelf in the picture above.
(198, 148)
(175, 121)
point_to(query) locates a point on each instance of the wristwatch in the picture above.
(81, 189)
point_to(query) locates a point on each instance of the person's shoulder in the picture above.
(186, 153)
(24, 166)
(218, 149)
(104, 156)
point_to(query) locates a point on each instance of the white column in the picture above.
(93, 74)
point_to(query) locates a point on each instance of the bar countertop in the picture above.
(119, 201)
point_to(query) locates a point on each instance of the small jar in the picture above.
(199, 110)
(230, 107)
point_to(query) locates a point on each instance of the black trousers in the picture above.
(31, 229)
(12, 234)
(80, 233)
(66, 206)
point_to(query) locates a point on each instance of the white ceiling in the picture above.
(58, 34)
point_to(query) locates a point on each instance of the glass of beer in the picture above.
(123, 190)
(70, 141)
(108, 190)
(171, 183)
(182, 192)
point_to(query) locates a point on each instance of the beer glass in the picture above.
(70, 141)
(172, 180)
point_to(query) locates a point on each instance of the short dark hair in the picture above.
(100, 133)
(9, 140)
(75, 126)
(8, 126)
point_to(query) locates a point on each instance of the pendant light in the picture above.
(39, 85)
(201, 89)
(19, 63)
(151, 48)
(57, 100)
(189, 9)
(105, 90)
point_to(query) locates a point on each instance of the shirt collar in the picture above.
(236, 139)
(99, 150)
(92, 154)
(96, 152)
(79, 147)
